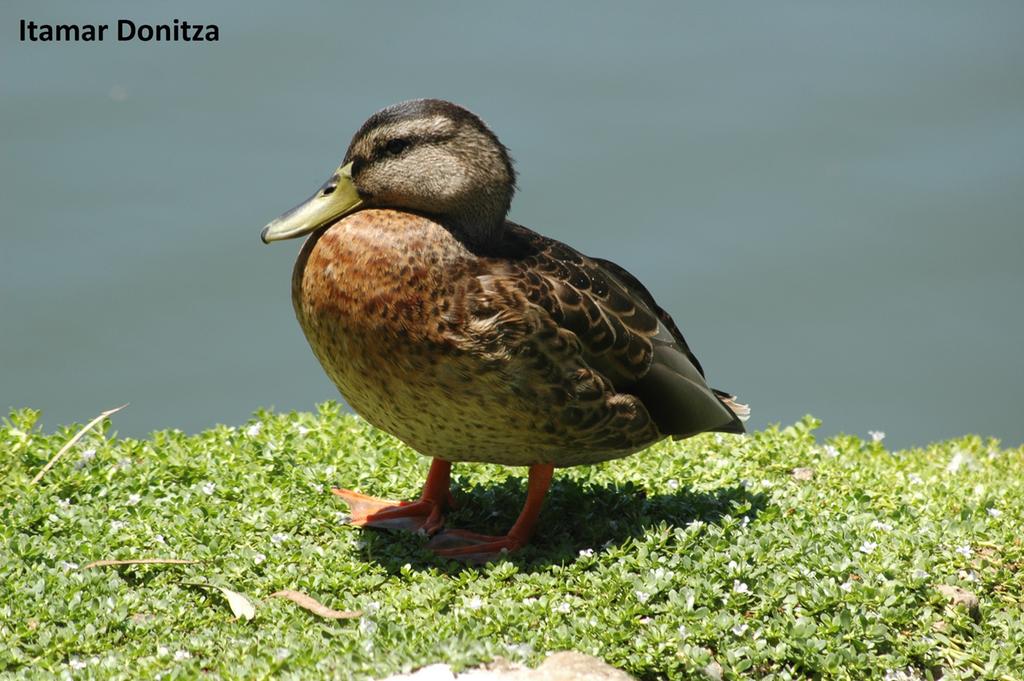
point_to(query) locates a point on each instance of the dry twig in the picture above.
(140, 561)
(71, 443)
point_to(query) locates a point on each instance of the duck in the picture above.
(471, 338)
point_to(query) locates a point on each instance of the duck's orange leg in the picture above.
(426, 515)
(471, 547)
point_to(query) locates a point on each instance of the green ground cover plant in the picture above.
(776, 555)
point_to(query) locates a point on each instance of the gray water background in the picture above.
(826, 196)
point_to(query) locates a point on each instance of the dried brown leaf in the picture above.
(314, 606)
(803, 473)
(240, 605)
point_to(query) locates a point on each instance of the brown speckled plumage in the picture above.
(511, 358)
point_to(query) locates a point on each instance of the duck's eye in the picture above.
(396, 146)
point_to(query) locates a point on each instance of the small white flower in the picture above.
(643, 596)
(994, 512)
(208, 488)
(968, 575)
(372, 608)
(75, 663)
(68, 566)
(474, 603)
(586, 553)
(282, 654)
(846, 586)
(740, 629)
(918, 573)
(673, 484)
(744, 521)
(915, 478)
(342, 518)
(117, 525)
(302, 430)
(646, 620)
(254, 429)
(733, 565)
(162, 651)
(182, 655)
(563, 607)
(258, 558)
(964, 550)
(279, 537)
(367, 626)
(831, 451)
(529, 600)
(694, 525)
(740, 587)
(134, 499)
(159, 539)
(84, 458)
(868, 547)
(66, 503)
(877, 435)
(879, 525)
(682, 631)
(956, 462)
(317, 487)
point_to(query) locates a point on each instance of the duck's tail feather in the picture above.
(739, 410)
(742, 411)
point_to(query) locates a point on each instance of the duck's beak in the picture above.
(336, 198)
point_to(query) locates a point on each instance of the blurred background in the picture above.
(827, 196)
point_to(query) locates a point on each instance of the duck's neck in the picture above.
(479, 219)
(478, 238)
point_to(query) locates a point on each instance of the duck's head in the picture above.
(427, 156)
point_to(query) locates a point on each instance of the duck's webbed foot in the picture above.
(412, 516)
(425, 515)
(471, 547)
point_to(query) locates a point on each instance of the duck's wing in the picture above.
(623, 334)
